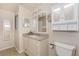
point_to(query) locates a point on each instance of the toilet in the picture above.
(63, 49)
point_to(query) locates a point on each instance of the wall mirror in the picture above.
(57, 14)
(42, 24)
(69, 12)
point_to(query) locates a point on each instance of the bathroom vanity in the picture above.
(36, 44)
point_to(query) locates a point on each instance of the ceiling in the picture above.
(9, 6)
(31, 6)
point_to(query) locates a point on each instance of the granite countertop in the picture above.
(36, 36)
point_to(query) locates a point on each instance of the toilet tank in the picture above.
(63, 49)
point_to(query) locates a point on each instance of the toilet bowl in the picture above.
(63, 49)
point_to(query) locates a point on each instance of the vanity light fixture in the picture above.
(68, 5)
(57, 9)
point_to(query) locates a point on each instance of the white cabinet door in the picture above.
(29, 47)
(25, 43)
(33, 47)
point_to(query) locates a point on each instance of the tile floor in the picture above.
(11, 52)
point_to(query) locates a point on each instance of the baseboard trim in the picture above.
(6, 48)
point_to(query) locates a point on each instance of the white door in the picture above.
(6, 29)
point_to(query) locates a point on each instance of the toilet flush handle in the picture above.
(51, 45)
